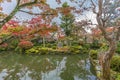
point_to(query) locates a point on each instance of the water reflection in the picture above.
(45, 67)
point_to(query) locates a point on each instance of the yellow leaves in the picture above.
(4, 33)
(2, 15)
(42, 1)
(5, 0)
(15, 29)
(1, 1)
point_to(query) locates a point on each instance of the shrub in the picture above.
(38, 50)
(14, 43)
(3, 46)
(104, 46)
(63, 50)
(117, 77)
(115, 63)
(25, 44)
(93, 54)
(118, 48)
(87, 46)
(4, 34)
(32, 50)
(78, 50)
(44, 50)
(95, 45)
(15, 29)
(54, 47)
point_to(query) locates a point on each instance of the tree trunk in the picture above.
(106, 69)
(106, 61)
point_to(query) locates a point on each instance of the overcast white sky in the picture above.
(8, 7)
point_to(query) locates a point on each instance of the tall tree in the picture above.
(67, 19)
(105, 11)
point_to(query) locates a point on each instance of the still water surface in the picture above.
(45, 67)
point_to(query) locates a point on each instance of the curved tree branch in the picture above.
(16, 9)
(35, 13)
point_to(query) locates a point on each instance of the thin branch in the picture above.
(35, 13)
(16, 9)
(82, 3)
(94, 7)
(100, 7)
(28, 4)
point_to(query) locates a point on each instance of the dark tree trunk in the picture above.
(106, 69)
(106, 61)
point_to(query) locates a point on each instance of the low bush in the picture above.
(115, 63)
(117, 77)
(54, 50)
(39, 50)
(25, 44)
(93, 54)
(118, 48)
(95, 45)
(3, 47)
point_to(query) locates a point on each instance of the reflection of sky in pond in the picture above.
(54, 74)
(17, 67)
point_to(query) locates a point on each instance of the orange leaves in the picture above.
(110, 29)
(98, 33)
(36, 26)
(25, 44)
(4, 33)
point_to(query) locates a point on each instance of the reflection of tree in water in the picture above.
(19, 66)
(28, 67)
(76, 68)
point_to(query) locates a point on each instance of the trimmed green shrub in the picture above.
(3, 47)
(93, 54)
(118, 48)
(95, 45)
(115, 63)
(117, 77)
(87, 46)
(75, 49)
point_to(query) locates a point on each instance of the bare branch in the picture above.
(94, 7)
(100, 7)
(82, 3)
(35, 13)
(16, 9)
(28, 4)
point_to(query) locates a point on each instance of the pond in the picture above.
(45, 67)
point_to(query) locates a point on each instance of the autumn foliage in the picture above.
(34, 28)
(25, 44)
